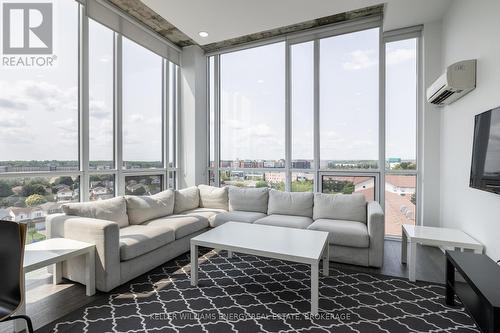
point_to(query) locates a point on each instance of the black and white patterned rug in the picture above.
(254, 294)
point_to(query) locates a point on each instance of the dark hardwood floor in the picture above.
(47, 302)
(430, 263)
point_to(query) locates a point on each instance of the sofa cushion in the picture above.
(186, 199)
(136, 240)
(248, 199)
(183, 225)
(351, 207)
(290, 203)
(141, 208)
(208, 213)
(213, 197)
(235, 216)
(290, 221)
(344, 233)
(114, 209)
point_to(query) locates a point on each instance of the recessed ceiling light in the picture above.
(203, 34)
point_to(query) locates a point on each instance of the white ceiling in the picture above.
(226, 19)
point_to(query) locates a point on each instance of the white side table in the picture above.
(53, 252)
(413, 234)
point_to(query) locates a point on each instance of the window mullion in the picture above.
(118, 114)
(288, 119)
(83, 87)
(217, 119)
(165, 118)
(381, 112)
(316, 134)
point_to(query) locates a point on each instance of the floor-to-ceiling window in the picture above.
(101, 111)
(401, 134)
(309, 115)
(57, 145)
(349, 101)
(302, 116)
(142, 107)
(39, 124)
(252, 115)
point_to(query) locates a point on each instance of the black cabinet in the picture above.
(480, 293)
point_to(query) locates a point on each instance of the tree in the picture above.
(5, 189)
(66, 180)
(261, 183)
(405, 166)
(413, 199)
(31, 232)
(34, 200)
(348, 188)
(30, 189)
(140, 191)
(224, 177)
(302, 186)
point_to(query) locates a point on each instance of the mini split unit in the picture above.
(458, 80)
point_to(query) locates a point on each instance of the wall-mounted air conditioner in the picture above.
(458, 80)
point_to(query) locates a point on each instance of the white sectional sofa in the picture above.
(134, 234)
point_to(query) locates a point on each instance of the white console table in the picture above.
(54, 252)
(444, 237)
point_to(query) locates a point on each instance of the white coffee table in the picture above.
(297, 245)
(54, 252)
(413, 234)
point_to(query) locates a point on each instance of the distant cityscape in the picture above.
(391, 163)
(63, 166)
(31, 199)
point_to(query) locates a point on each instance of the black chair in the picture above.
(12, 238)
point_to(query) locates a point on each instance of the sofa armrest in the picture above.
(376, 231)
(105, 235)
(54, 225)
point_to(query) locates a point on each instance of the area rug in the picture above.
(254, 294)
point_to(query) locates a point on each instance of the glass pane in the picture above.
(302, 182)
(39, 102)
(171, 180)
(172, 115)
(349, 185)
(101, 40)
(143, 185)
(253, 106)
(401, 104)
(142, 107)
(211, 85)
(302, 105)
(30, 200)
(101, 187)
(400, 202)
(349, 112)
(211, 178)
(275, 180)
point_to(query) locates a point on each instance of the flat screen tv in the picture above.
(485, 169)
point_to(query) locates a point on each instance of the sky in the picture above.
(253, 100)
(39, 106)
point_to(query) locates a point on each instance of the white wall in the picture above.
(429, 123)
(471, 29)
(193, 118)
